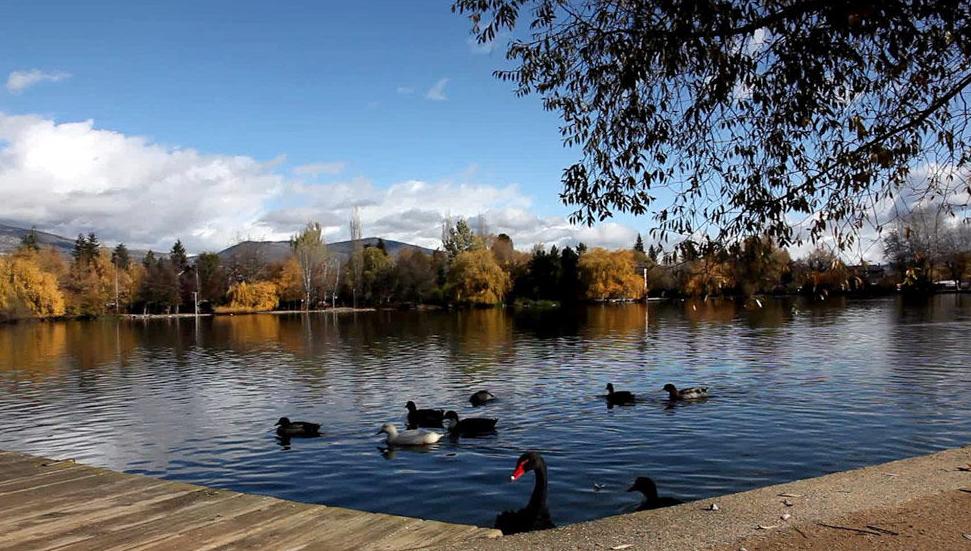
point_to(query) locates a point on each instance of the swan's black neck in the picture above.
(537, 501)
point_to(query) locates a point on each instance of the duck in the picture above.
(651, 500)
(692, 393)
(536, 514)
(469, 426)
(408, 437)
(618, 397)
(424, 417)
(285, 428)
(481, 397)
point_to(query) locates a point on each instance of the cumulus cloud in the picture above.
(437, 91)
(18, 81)
(74, 177)
(316, 169)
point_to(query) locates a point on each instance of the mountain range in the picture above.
(266, 251)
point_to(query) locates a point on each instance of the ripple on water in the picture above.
(797, 389)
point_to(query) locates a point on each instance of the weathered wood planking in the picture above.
(47, 504)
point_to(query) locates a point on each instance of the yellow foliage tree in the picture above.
(610, 275)
(290, 283)
(256, 296)
(26, 290)
(475, 278)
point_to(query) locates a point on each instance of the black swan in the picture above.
(693, 393)
(647, 487)
(285, 427)
(481, 397)
(618, 397)
(469, 426)
(535, 515)
(424, 417)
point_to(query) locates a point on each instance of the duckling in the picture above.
(408, 437)
(285, 427)
(692, 393)
(618, 397)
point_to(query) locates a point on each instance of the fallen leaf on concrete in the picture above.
(891, 475)
(767, 527)
(967, 536)
(786, 516)
(622, 546)
(712, 507)
(790, 495)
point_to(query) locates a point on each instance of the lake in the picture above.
(798, 389)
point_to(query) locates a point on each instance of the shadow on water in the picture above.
(799, 388)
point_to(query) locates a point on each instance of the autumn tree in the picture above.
(377, 276)
(29, 241)
(310, 252)
(257, 296)
(610, 275)
(474, 277)
(26, 290)
(751, 113)
(212, 278)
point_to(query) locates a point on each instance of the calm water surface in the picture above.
(799, 389)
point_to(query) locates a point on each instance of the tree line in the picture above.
(470, 268)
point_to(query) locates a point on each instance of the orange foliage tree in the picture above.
(255, 296)
(610, 275)
(475, 278)
(26, 290)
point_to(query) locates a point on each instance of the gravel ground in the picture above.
(919, 498)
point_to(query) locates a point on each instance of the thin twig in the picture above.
(801, 533)
(857, 530)
(884, 530)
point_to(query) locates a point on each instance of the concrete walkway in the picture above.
(884, 492)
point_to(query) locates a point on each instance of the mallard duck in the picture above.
(408, 437)
(619, 397)
(424, 417)
(651, 500)
(481, 397)
(536, 514)
(285, 427)
(692, 393)
(469, 426)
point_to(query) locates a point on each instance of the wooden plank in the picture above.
(229, 528)
(50, 505)
(89, 506)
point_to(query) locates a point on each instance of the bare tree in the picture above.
(357, 254)
(311, 253)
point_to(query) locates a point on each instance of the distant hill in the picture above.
(11, 236)
(279, 251)
(266, 251)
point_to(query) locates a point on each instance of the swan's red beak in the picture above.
(520, 471)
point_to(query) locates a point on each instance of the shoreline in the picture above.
(908, 499)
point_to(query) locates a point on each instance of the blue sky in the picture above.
(373, 96)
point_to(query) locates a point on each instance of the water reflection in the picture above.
(798, 388)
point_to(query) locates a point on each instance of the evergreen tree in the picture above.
(120, 257)
(639, 244)
(382, 246)
(29, 241)
(178, 257)
(80, 248)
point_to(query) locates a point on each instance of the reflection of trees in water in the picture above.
(33, 349)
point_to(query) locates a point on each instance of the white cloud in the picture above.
(73, 177)
(18, 81)
(405, 90)
(316, 169)
(437, 91)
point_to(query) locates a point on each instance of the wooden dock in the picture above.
(49, 504)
